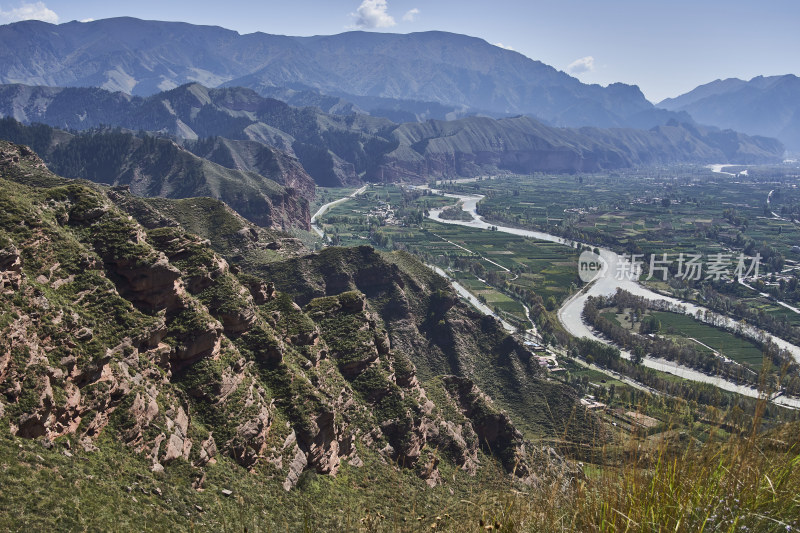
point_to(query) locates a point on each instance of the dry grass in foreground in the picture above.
(744, 483)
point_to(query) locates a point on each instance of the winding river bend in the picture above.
(605, 283)
(460, 289)
(321, 211)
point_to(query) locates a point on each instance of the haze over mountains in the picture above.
(366, 103)
(762, 106)
(339, 150)
(144, 57)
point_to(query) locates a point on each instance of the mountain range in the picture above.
(365, 107)
(337, 150)
(262, 184)
(403, 77)
(453, 73)
(761, 106)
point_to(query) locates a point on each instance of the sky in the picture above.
(666, 47)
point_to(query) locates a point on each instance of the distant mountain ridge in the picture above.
(761, 106)
(144, 57)
(523, 145)
(193, 111)
(338, 150)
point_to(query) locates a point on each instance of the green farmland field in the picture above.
(739, 349)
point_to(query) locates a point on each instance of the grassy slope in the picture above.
(743, 485)
(115, 489)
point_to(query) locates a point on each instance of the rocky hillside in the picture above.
(119, 324)
(345, 149)
(257, 158)
(262, 184)
(427, 322)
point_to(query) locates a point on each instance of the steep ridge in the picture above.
(258, 158)
(394, 109)
(159, 167)
(442, 336)
(121, 324)
(714, 88)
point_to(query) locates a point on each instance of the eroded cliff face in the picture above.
(117, 321)
(263, 184)
(252, 156)
(427, 323)
(406, 165)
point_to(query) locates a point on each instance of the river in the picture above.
(606, 283)
(321, 210)
(463, 292)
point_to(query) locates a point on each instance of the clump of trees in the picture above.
(686, 354)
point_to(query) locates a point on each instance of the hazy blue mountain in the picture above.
(715, 88)
(456, 71)
(348, 149)
(522, 145)
(762, 106)
(330, 147)
(395, 109)
(309, 98)
(130, 55)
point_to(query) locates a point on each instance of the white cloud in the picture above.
(372, 14)
(579, 66)
(501, 45)
(411, 14)
(87, 20)
(29, 11)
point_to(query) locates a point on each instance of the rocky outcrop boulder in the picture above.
(493, 428)
(10, 268)
(178, 445)
(151, 286)
(10, 260)
(237, 322)
(320, 446)
(251, 437)
(151, 337)
(203, 342)
(261, 292)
